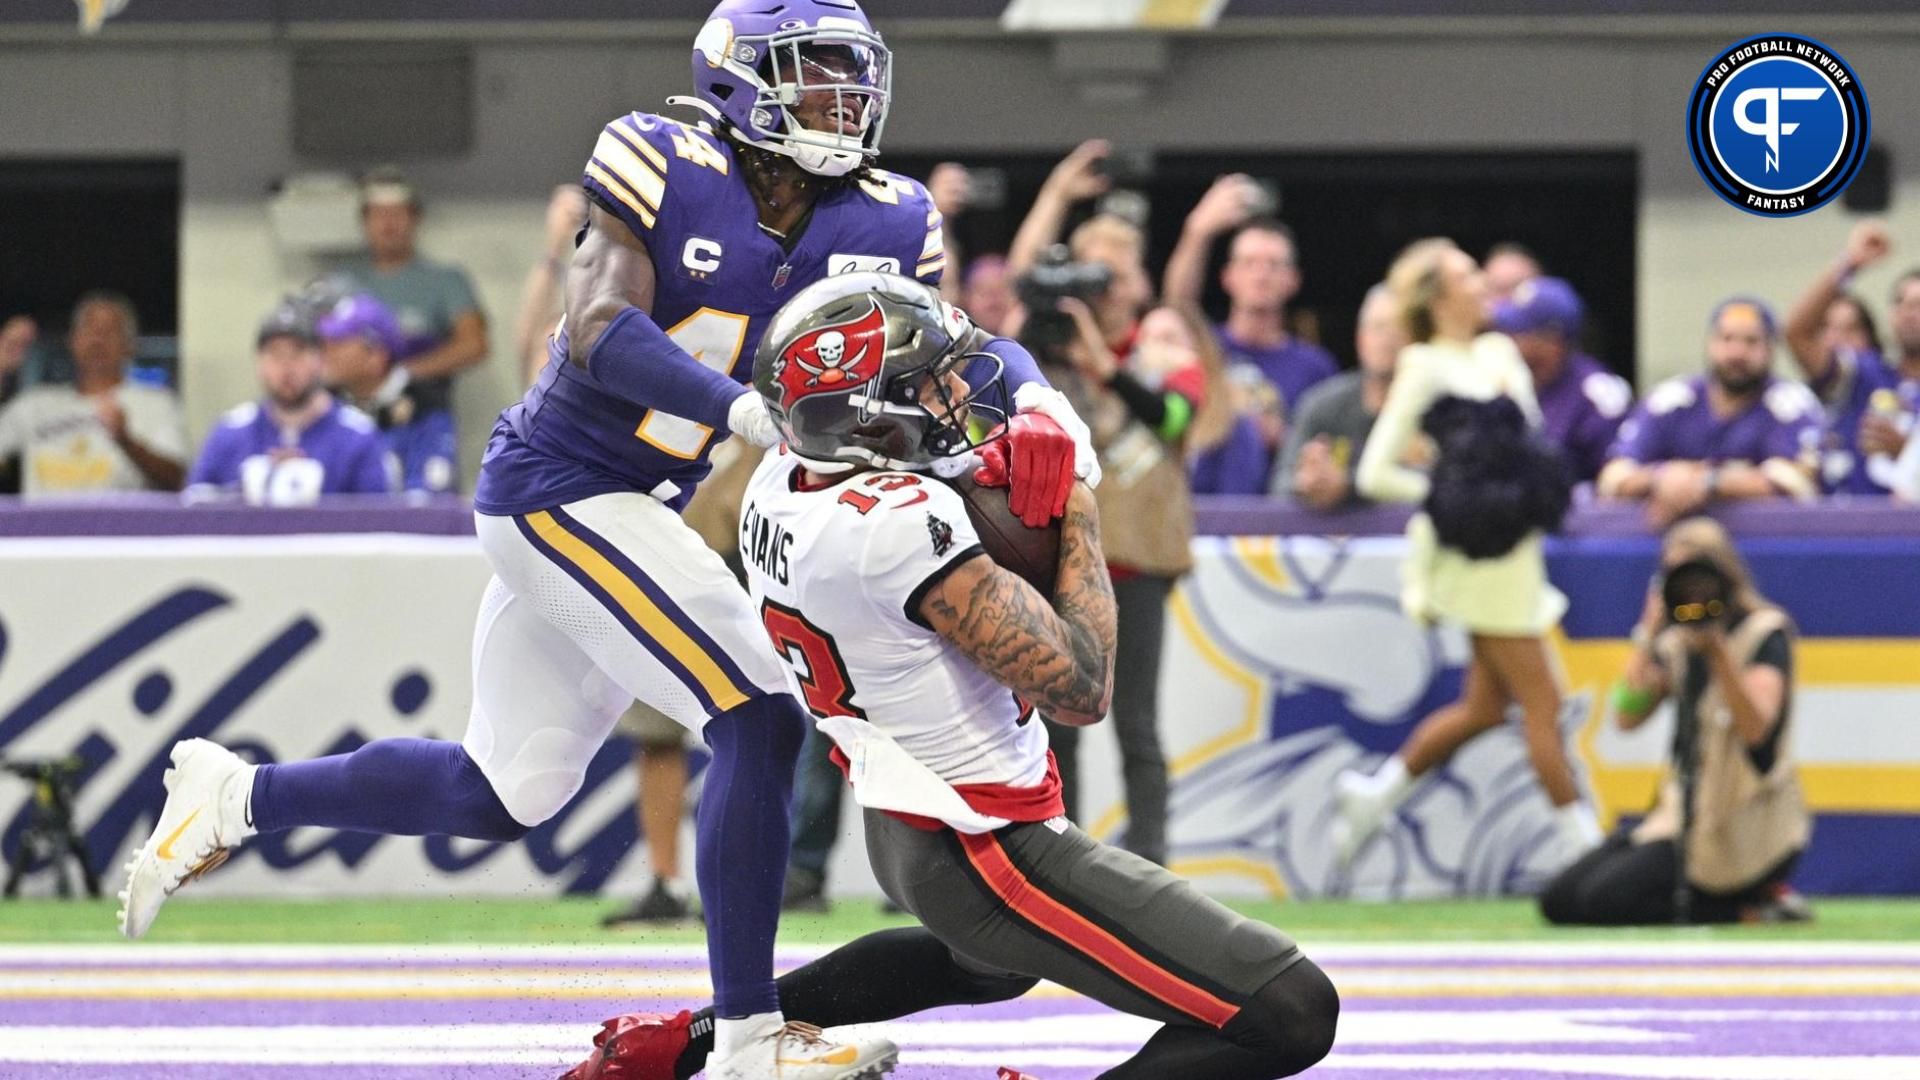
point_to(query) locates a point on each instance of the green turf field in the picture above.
(578, 922)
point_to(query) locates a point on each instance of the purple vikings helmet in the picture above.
(754, 60)
(362, 315)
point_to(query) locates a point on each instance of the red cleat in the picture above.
(636, 1046)
(1008, 1074)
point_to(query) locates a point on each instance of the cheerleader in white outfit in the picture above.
(1505, 602)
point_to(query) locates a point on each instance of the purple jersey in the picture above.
(1581, 411)
(1241, 464)
(1293, 367)
(1848, 392)
(341, 453)
(719, 279)
(1675, 423)
(424, 449)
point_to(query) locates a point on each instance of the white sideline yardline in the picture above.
(1637, 1066)
(1038, 1046)
(169, 953)
(347, 982)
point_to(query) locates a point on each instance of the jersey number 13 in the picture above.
(814, 657)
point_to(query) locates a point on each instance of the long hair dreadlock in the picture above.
(765, 169)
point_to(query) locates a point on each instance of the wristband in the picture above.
(1178, 415)
(1629, 700)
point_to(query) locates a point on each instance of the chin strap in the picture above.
(946, 468)
(824, 466)
(952, 468)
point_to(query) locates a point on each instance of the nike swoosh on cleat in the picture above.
(165, 850)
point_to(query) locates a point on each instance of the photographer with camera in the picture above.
(1730, 821)
(1143, 386)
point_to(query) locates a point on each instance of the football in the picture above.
(1034, 554)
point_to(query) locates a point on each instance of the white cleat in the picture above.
(194, 834)
(801, 1052)
(1360, 809)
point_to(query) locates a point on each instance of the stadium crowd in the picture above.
(366, 357)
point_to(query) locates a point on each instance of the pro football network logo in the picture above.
(1778, 125)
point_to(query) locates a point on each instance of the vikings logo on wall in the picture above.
(1255, 734)
(833, 359)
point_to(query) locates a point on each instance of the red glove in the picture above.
(995, 465)
(1034, 461)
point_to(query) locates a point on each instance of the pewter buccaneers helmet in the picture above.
(843, 364)
(754, 59)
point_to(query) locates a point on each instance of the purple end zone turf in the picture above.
(1524, 1016)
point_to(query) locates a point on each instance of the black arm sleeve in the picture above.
(1148, 407)
(1775, 652)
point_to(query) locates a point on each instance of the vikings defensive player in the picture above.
(696, 235)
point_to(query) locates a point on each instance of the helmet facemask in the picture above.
(850, 64)
(890, 427)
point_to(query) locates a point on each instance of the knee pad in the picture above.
(1291, 1020)
(984, 986)
(545, 772)
(991, 988)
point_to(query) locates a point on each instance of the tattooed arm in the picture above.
(1058, 656)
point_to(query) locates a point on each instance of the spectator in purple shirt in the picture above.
(297, 443)
(988, 297)
(1734, 433)
(1581, 402)
(1261, 277)
(361, 338)
(1871, 404)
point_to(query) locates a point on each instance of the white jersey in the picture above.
(67, 451)
(838, 574)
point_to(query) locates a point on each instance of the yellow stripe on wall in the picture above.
(1830, 788)
(1191, 14)
(1863, 788)
(1822, 661)
(652, 620)
(1857, 662)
